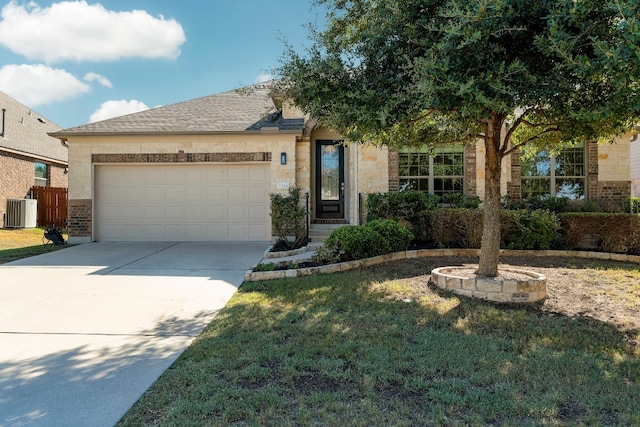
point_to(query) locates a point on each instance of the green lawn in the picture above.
(379, 347)
(22, 243)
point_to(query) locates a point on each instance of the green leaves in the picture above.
(380, 66)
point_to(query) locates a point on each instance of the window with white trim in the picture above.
(560, 175)
(438, 171)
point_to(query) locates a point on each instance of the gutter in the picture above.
(35, 156)
(64, 136)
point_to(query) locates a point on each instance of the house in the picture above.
(28, 155)
(203, 170)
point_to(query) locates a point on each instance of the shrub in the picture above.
(458, 200)
(608, 232)
(288, 219)
(410, 208)
(532, 229)
(634, 204)
(457, 227)
(356, 242)
(396, 235)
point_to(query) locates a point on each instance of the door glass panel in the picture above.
(330, 172)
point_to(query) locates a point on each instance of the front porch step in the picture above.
(318, 233)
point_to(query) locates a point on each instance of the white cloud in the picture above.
(95, 77)
(121, 107)
(35, 85)
(264, 78)
(78, 31)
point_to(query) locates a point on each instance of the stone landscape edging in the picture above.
(255, 276)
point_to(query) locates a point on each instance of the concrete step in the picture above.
(318, 233)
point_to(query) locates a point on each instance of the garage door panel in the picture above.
(194, 193)
(237, 174)
(195, 176)
(151, 175)
(175, 176)
(174, 193)
(256, 214)
(215, 193)
(217, 175)
(237, 213)
(258, 175)
(255, 232)
(195, 213)
(153, 194)
(174, 213)
(182, 202)
(236, 193)
(216, 213)
(256, 194)
(150, 214)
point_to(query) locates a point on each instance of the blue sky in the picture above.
(81, 61)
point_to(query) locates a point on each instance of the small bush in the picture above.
(356, 242)
(634, 204)
(288, 219)
(410, 208)
(458, 200)
(396, 235)
(457, 227)
(532, 229)
(607, 232)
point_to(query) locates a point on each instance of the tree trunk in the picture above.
(490, 246)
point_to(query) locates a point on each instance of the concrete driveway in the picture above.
(86, 330)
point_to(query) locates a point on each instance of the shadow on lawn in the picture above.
(461, 359)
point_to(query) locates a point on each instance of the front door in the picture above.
(329, 180)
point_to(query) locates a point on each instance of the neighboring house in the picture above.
(203, 170)
(28, 155)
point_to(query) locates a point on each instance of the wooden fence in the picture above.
(52, 206)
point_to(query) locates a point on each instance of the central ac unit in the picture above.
(21, 213)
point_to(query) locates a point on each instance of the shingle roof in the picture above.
(242, 110)
(26, 131)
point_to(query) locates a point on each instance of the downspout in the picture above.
(4, 112)
(356, 191)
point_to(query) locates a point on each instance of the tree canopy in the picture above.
(505, 72)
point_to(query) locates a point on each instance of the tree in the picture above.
(505, 72)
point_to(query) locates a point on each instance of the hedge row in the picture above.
(521, 229)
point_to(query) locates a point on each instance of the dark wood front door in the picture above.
(329, 180)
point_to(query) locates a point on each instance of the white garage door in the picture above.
(214, 202)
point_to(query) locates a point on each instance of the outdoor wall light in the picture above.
(283, 158)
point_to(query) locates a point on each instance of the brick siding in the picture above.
(514, 188)
(18, 176)
(394, 170)
(79, 222)
(470, 165)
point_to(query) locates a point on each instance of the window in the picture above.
(438, 171)
(42, 174)
(562, 175)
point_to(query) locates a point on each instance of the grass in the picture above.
(22, 243)
(379, 347)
